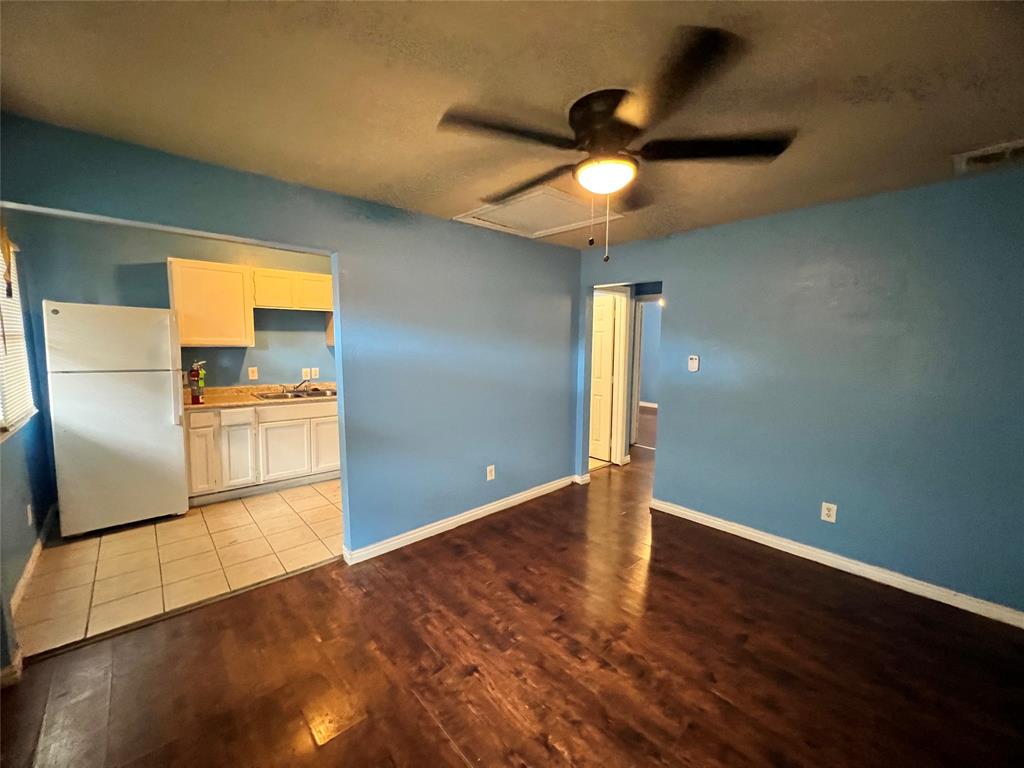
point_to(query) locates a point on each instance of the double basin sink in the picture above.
(304, 394)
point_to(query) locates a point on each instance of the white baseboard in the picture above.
(33, 558)
(581, 479)
(1003, 613)
(11, 674)
(432, 529)
(648, 405)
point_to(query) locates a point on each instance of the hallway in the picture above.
(577, 629)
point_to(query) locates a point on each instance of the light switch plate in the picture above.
(254, 373)
(490, 472)
(305, 373)
(314, 373)
(693, 363)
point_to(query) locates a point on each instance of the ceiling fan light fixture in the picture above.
(605, 175)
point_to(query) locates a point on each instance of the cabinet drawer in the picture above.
(231, 416)
(203, 419)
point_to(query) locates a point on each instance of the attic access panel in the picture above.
(537, 213)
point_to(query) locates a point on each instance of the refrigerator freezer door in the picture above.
(120, 455)
(95, 337)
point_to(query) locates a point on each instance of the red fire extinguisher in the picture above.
(197, 382)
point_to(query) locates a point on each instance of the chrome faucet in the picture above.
(297, 387)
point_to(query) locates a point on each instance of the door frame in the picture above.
(634, 379)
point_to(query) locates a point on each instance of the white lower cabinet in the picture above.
(240, 447)
(239, 466)
(203, 464)
(285, 450)
(326, 449)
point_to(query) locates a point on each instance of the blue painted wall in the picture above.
(869, 353)
(456, 342)
(650, 349)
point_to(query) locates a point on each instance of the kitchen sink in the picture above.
(300, 395)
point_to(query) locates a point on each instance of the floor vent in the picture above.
(996, 156)
(537, 213)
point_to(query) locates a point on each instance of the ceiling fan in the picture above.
(605, 123)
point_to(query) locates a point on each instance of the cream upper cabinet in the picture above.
(286, 289)
(313, 291)
(213, 303)
(273, 288)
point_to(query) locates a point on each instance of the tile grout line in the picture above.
(216, 549)
(92, 589)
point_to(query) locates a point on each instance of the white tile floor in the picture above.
(97, 584)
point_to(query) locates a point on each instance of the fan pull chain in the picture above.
(607, 220)
(590, 240)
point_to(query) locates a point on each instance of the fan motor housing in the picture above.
(592, 119)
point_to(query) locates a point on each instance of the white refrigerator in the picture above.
(116, 411)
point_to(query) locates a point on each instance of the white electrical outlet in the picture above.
(28, 514)
(829, 511)
(254, 373)
(314, 373)
(490, 472)
(305, 373)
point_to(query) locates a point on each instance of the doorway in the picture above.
(647, 345)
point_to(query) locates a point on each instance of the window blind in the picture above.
(16, 402)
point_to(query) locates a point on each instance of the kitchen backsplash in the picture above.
(286, 342)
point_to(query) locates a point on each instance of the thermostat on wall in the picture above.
(693, 363)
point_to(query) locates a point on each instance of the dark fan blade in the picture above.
(554, 173)
(635, 197)
(753, 147)
(456, 118)
(696, 54)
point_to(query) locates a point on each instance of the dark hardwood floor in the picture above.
(647, 427)
(578, 629)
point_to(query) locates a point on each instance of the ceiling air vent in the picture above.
(537, 213)
(996, 156)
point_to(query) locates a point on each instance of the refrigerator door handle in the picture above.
(177, 398)
(173, 341)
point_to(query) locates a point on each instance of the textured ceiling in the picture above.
(346, 96)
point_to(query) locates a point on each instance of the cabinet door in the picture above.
(238, 455)
(274, 288)
(284, 450)
(313, 291)
(212, 302)
(203, 464)
(325, 446)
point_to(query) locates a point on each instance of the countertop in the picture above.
(241, 397)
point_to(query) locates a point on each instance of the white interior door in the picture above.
(601, 377)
